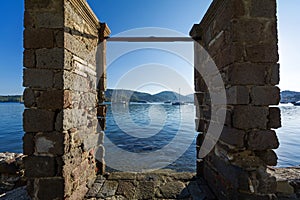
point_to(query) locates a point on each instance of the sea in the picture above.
(147, 128)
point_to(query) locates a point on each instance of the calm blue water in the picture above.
(164, 120)
(11, 129)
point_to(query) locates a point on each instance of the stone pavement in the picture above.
(162, 184)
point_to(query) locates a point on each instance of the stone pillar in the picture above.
(60, 119)
(241, 37)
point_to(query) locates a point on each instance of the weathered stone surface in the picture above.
(265, 95)
(40, 166)
(51, 188)
(172, 190)
(38, 120)
(233, 136)
(28, 143)
(248, 117)
(273, 76)
(95, 189)
(246, 74)
(195, 190)
(145, 190)
(127, 189)
(263, 140)
(253, 31)
(274, 118)
(108, 189)
(35, 78)
(50, 143)
(29, 58)
(122, 176)
(50, 58)
(29, 98)
(238, 95)
(43, 5)
(51, 100)
(38, 38)
(269, 157)
(266, 53)
(265, 8)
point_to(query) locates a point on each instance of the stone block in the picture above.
(29, 98)
(108, 189)
(273, 75)
(262, 53)
(234, 52)
(238, 95)
(28, 143)
(50, 188)
(145, 190)
(53, 99)
(44, 5)
(265, 9)
(172, 190)
(265, 95)
(40, 166)
(262, 140)
(233, 137)
(274, 118)
(246, 74)
(38, 38)
(53, 20)
(38, 120)
(269, 157)
(49, 143)
(127, 189)
(74, 118)
(253, 31)
(50, 58)
(250, 117)
(38, 78)
(29, 58)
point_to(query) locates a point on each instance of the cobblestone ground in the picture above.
(154, 185)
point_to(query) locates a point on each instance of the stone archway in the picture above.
(60, 76)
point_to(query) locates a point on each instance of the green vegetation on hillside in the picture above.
(14, 98)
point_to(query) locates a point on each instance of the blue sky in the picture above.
(123, 15)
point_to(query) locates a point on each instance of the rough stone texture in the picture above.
(60, 76)
(162, 184)
(241, 37)
(11, 171)
(288, 182)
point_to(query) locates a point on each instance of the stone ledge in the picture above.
(86, 12)
(288, 182)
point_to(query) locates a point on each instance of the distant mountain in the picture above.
(124, 95)
(289, 96)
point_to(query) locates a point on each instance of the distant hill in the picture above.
(122, 95)
(13, 98)
(289, 96)
(286, 96)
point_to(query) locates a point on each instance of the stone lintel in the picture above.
(86, 13)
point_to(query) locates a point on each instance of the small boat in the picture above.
(167, 102)
(296, 103)
(178, 103)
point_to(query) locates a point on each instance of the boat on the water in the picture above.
(296, 103)
(178, 103)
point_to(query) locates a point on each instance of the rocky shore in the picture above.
(157, 185)
(11, 172)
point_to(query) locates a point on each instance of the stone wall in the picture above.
(241, 37)
(60, 76)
